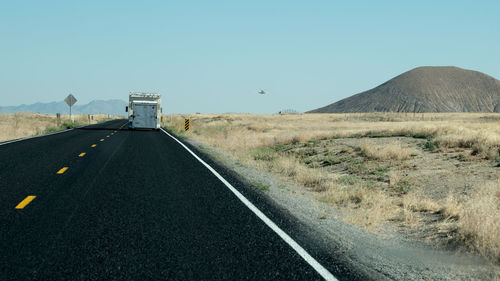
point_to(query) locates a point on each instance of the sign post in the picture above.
(70, 100)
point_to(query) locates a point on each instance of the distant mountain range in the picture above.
(426, 89)
(113, 107)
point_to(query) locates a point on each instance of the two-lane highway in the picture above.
(112, 204)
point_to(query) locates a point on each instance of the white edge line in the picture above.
(301, 251)
(39, 136)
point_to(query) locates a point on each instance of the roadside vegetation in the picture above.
(21, 125)
(435, 176)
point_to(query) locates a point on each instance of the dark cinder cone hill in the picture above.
(426, 89)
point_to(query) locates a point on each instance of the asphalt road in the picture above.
(138, 206)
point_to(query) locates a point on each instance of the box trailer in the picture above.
(144, 111)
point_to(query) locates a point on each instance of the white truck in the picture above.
(144, 111)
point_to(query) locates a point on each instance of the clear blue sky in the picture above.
(213, 56)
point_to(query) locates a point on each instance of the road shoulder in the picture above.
(390, 255)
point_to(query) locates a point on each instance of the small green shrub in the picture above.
(330, 161)
(69, 125)
(50, 130)
(356, 165)
(382, 135)
(313, 142)
(381, 173)
(281, 147)
(310, 152)
(306, 161)
(349, 180)
(418, 135)
(64, 126)
(380, 170)
(264, 154)
(261, 186)
(430, 144)
(391, 135)
(402, 187)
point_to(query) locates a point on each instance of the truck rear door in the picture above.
(145, 115)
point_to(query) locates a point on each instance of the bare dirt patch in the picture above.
(428, 187)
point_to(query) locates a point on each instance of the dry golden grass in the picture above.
(473, 221)
(246, 131)
(20, 125)
(391, 151)
(479, 221)
(415, 202)
(367, 206)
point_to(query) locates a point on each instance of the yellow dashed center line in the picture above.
(25, 202)
(62, 170)
(30, 198)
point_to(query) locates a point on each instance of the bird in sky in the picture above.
(262, 92)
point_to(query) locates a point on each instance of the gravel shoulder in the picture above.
(395, 254)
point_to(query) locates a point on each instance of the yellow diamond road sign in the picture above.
(70, 100)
